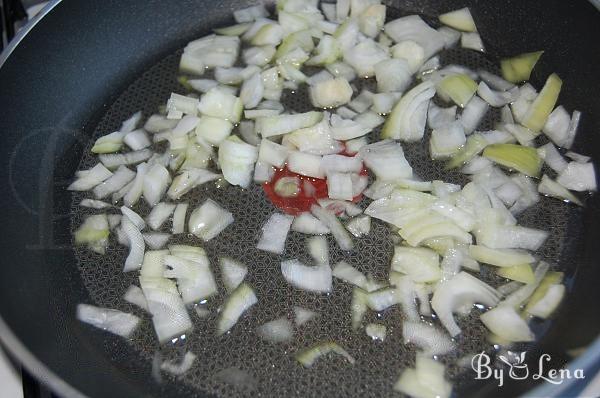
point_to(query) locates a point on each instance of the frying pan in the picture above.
(87, 63)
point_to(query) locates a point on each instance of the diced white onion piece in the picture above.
(354, 146)
(237, 303)
(369, 120)
(109, 143)
(246, 128)
(393, 75)
(460, 292)
(337, 229)
(407, 120)
(510, 237)
(279, 330)
(219, 104)
(306, 223)
(94, 233)
(232, 273)
(115, 182)
(384, 102)
(319, 77)
(302, 315)
(460, 217)
(169, 315)
(307, 357)
(500, 257)
(386, 160)
(181, 367)
(94, 204)
(213, 51)
(438, 117)
(183, 104)
(135, 295)
(213, 130)
(258, 55)
(371, 19)
(201, 85)
(415, 29)
(506, 323)
(309, 278)
(317, 140)
(426, 380)
(237, 159)
(376, 331)
(135, 258)
(179, 218)
(250, 14)
(341, 69)
(137, 139)
(547, 305)
(473, 114)
(345, 113)
(154, 265)
(420, 264)
(471, 41)
(341, 164)
(155, 184)
(476, 165)
(252, 91)
(274, 233)
(451, 36)
(447, 140)
(318, 249)
(88, 179)
(428, 338)
(188, 180)
(572, 131)
(209, 220)
(578, 157)
(159, 214)
(411, 52)
(344, 271)
(346, 129)
(497, 98)
(156, 240)
(195, 280)
(305, 164)
(331, 93)
(330, 11)
(260, 113)
(113, 321)
(339, 186)
(283, 124)
(229, 76)
(364, 56)
(263, 172)
(578, 177)
(359, 226)
(552, 157)
(380, 300)
(459, 19)
(134, 193)
(495, 82)
(551, 188)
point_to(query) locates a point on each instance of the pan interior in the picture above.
(240, 363)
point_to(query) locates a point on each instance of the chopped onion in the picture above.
(542, 106)
(308, 356)
(523, 159)
(447, 140)
(506, 323)
(317, 140)
(518, 69)
(159, 214)
(384, 102)
(94, 233)
(551, 188)
(115, 182)
(259, 56)
(420, 264)
(393, 75)
(344, 271)
(359, 226)
(240, 300)
(471, 41)
(209, 220)
(364, 56)
(135, 295)
(252, 91)
(237, 159)
(376, 331)
(179, 218)
(331, 93)
(428, 338)
(155, 184)
(279, 330)
(552, 157)
(318, 249)
(188, 180)
(213, 130)
(113, 321)
(313, 279)
(339, 186)
(283, 124)
(94, 204)
(302, 315)
(217, 103)
(109, 143)
(306, 223)
(169, 315)
(451, 37)
(337, 229)
(500, 257)
(460, 292)
(305, 164)
(386, 160)
(158, 123)
(426, 380)
(341, 164)
(179, 368)
(459, 19)
(156, 240)
(250, 14)
(195, 280)
(358, 306)
(438, 117)
(578, 177)
(88, 179)
(232, 273)
(415, 29)
(341, 69)
(407, 120)
(345, 129)
(274, 233)
(497, 98)
(136, 245)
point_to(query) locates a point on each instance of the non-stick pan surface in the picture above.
(88, 65)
